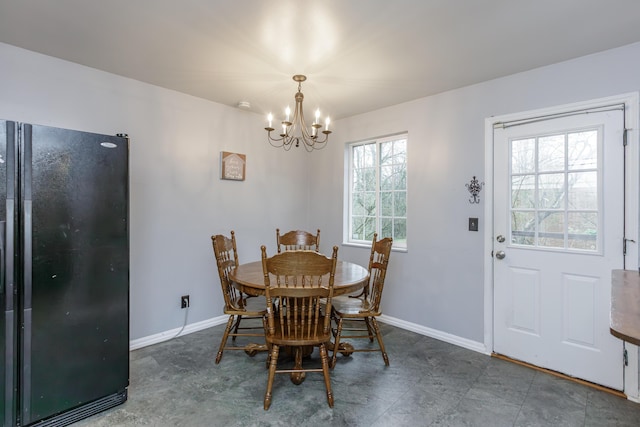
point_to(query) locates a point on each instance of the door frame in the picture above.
(632, 197)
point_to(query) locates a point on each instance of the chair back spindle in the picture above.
(226, 253)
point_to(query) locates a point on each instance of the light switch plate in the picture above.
(473, 224)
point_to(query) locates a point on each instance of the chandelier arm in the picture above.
(303, 127)
(299, 121)
(282, 142)
(270, 138)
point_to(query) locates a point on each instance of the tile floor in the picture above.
(429, 383)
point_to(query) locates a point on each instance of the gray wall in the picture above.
(178, 201)
(438, 284)
(177, 198)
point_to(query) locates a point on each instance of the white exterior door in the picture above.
(558, 225)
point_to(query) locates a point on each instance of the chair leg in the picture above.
(235, 329)
(272, 374)
(269, 347)
(336, 344)
(325, 371)
(380, 343)
(225, 336)
(370, 329)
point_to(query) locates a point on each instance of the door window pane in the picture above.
(583, 150)
(523, 191)
(523, 156)
(583, 190)
(551, 153)
(523, 228)
(551, 191)
(583, 229)
(551, 229)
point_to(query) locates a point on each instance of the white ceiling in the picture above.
(358, 55)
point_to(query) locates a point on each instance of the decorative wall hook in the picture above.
(474, 188)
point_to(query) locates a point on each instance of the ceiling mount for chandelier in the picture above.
(294, 130)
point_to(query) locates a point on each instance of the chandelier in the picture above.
(294, 130)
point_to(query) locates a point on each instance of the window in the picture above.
(377, 190)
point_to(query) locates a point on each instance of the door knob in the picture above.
(500, 238)
(500, 255)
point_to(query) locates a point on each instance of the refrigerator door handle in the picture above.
(2, 256)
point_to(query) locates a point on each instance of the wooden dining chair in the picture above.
(295, 283)
(355, 317)
(236, 304)
(296, 240)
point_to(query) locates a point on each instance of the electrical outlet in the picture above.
(184, 301)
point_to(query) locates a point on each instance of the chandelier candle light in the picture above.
(295, 131)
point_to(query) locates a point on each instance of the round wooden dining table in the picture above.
(349, 278)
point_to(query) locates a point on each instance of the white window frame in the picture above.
(398, 244)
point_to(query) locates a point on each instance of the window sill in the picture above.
(368, 246)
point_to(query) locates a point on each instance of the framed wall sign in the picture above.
(233, 166)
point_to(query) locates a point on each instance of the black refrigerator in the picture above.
(64, 225)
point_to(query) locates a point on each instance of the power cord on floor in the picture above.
(186, 314)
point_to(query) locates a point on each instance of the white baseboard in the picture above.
(413, 327)
(177, 332)
(434, 333)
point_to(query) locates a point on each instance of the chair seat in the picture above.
(352, 307)
(298, 335)
(251, 306)
(345, 299)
